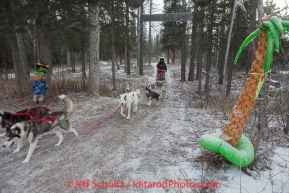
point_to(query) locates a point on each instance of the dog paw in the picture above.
(127, 117)
(17, 150)
(123, 115)
(25, 161)
(56, 145)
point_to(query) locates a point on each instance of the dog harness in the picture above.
(47, 119)
(30, 112)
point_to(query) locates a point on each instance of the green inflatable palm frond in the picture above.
(272, 27)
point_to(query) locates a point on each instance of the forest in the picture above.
(85, 32)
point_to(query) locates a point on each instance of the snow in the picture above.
(284, 72)
(275, 180)
(157, 144)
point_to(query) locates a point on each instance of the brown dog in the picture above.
(129, 88)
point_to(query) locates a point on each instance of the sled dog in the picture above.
(150, 95)
(128, 100)
(129, 88)
(56, 122)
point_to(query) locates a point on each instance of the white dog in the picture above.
(128, 100)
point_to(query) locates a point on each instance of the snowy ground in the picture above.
(158, 144)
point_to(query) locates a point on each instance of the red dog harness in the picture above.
(30, 113)
(46, 119)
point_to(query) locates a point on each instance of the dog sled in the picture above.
(161, 82)
(161, 77)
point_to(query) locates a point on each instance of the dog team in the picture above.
(33, 123)
(130, 99)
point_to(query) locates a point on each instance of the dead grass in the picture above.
(56, 86)
(212, 160)
(104, 90)
(224, 104)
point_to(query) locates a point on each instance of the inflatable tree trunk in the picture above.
(246, 102)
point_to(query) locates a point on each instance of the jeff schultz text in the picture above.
(139, 184)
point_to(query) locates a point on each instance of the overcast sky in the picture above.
(280, 3)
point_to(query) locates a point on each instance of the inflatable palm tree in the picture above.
(230, 143)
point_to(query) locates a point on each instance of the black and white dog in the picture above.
(56, 122)
(8, 119)
(150, 94)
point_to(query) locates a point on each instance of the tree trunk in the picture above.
(4, 62)
(228, 49)
(42, 38)
(286, 129)
(173, 55)
(73, 63)
(83, 69)
(16, 63)
(193, 46)
(168, 56)
(128, 63)
(222, 49)
(93, 11)
(116, 63)
(183, 54)
(25, 70)
(209, 55)
(112, 47)
(127, 51)
(141, 42)
(125, 57)
(68, 62)
(150, 34)
(200, 53)
(120, 60)
(252, 24)
(139, 46)
(230, 59)
(230, 73)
